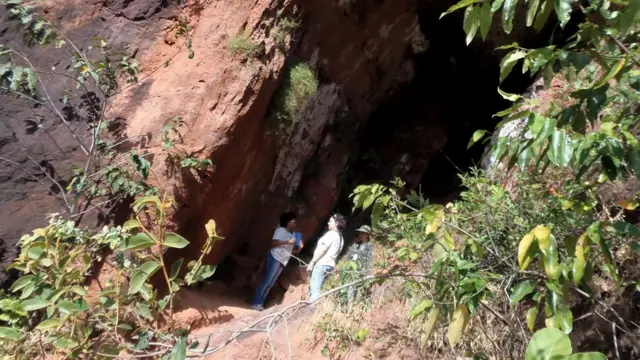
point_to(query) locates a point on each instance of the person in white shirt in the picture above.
(325, 256)
(282, 245)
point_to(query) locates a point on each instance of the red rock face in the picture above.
(361, 50)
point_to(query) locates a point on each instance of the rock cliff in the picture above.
(387, 71)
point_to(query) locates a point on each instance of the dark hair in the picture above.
(340, 220)
(286, 217)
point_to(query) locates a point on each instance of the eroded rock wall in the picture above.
(361, 50)
(33, 141)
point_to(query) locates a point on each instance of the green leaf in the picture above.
(587, 356)
(458, 6)
(144, 311)
(531, 12)
(629, 17)
(561, 148)
(174, 240)
(150, 267)
(55, 295)
(550, 260)
(66, 307)
(521, 290)
(486, 17)
(458, 324)
(548, 344)
(9, 333)
(513, 45)
(32, 80)
(137, 281)
(137, 242)
(508, 10)
(22, 282)
(146, 200)
(581, 256)
(36, 251)
(65, 343)
(420, 308)
(179, 351)
(563, 10)
(615, 69)
(430, 324)
(524, 157)
(477, 135)
(507, 96)
(131, 224)
(496, 5)
(532, 315)
(210, 227)
(471, 22)
(566, 319)
(34, 304)
(175, 268)
(141, 164)
(79, 290)
(376, 212)
(140, 277)
(626, 228)
(509, 61)
(526, 250)
(499, 149)
(543, 15)
(49, 324)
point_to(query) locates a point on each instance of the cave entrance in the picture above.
(421, 132)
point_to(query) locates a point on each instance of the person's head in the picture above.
(364, 232)
(337, 222)
(288, 221)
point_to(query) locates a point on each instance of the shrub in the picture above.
(284, 27)
(298, 86)
(243, 45)
(50, 310)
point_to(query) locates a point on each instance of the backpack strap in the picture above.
(341, 240)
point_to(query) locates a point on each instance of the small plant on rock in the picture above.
(284, 27)
(243, 45)
(298, 86)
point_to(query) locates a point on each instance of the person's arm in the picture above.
(277, 243)
(297, 249)
(280, 239)
(323, 245)
(321, 249)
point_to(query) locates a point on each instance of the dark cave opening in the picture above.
(429, 121)
(421, 132)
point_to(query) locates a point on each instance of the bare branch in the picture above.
(63, 201)
(55, 109)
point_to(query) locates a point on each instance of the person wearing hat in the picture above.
(360, 252)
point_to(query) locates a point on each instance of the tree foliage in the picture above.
(51, 310)
(540, 238)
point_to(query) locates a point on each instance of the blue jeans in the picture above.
(274, 268)
(318, 275)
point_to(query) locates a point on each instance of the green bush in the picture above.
(242, 44)
(284, 27)
(298, 86)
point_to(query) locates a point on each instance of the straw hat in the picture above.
(364, 229)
